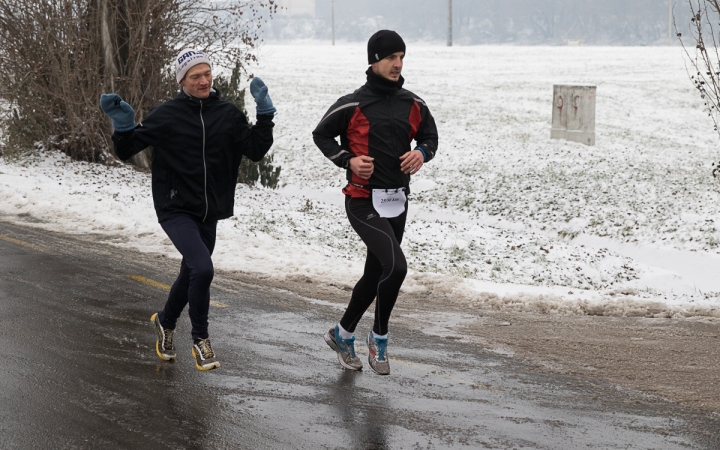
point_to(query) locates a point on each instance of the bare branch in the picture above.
(704, 55)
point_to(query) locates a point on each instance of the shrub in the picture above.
(58, 56)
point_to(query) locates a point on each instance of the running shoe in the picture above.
(164, 345)
(378, 357)
(204, 355)
(345, 349)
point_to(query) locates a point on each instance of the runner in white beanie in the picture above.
(198, 141)
(188, 58)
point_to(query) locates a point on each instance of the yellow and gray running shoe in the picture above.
(204, 355)
(378, 357)
(345, 349)
(164, 345)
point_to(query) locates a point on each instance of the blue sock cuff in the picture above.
(376, 337)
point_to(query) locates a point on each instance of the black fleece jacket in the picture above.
(197, 147)
(380, 119)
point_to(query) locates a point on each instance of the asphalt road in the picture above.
(78, 370)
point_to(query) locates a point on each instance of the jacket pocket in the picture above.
(170, 191)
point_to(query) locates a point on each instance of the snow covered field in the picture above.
(503, 216)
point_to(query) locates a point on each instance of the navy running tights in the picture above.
(385, 265)
(195, 240)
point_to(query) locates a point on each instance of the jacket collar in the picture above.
(214, 95)
(382, 85)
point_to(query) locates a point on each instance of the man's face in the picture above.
(389, 67)
(197, 81)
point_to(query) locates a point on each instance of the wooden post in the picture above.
(573, 117)
(670, 22)
(450, 24)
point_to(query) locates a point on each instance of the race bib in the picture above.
(389, 202)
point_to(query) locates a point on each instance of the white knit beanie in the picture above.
(187, 59)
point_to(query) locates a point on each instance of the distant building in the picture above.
(296, 7)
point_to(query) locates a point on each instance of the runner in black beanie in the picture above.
(377, 125)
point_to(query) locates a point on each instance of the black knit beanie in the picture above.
(384, 43)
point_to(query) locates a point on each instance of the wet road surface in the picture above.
(78, 370)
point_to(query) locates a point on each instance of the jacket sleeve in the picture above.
(255, 141)
(332, 125)
(145, 134)
(427, 135)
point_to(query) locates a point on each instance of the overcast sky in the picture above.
(529, 22)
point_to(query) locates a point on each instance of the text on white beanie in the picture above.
(186, 59)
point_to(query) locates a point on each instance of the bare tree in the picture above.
(703, 55)
(58, 56)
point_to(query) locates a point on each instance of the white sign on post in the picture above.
(573, 117)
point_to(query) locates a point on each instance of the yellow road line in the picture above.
(23, 243)
(166, 288)
(150, 282)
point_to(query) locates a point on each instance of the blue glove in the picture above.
(122, 114)
(260, 93)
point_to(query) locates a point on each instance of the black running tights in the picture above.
(385, 265)
(195, 240)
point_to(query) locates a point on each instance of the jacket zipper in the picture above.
(204, 164)
(392, 122)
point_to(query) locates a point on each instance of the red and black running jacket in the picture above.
(381, 119)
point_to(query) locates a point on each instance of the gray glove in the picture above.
(260, 93)
(122, 114)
